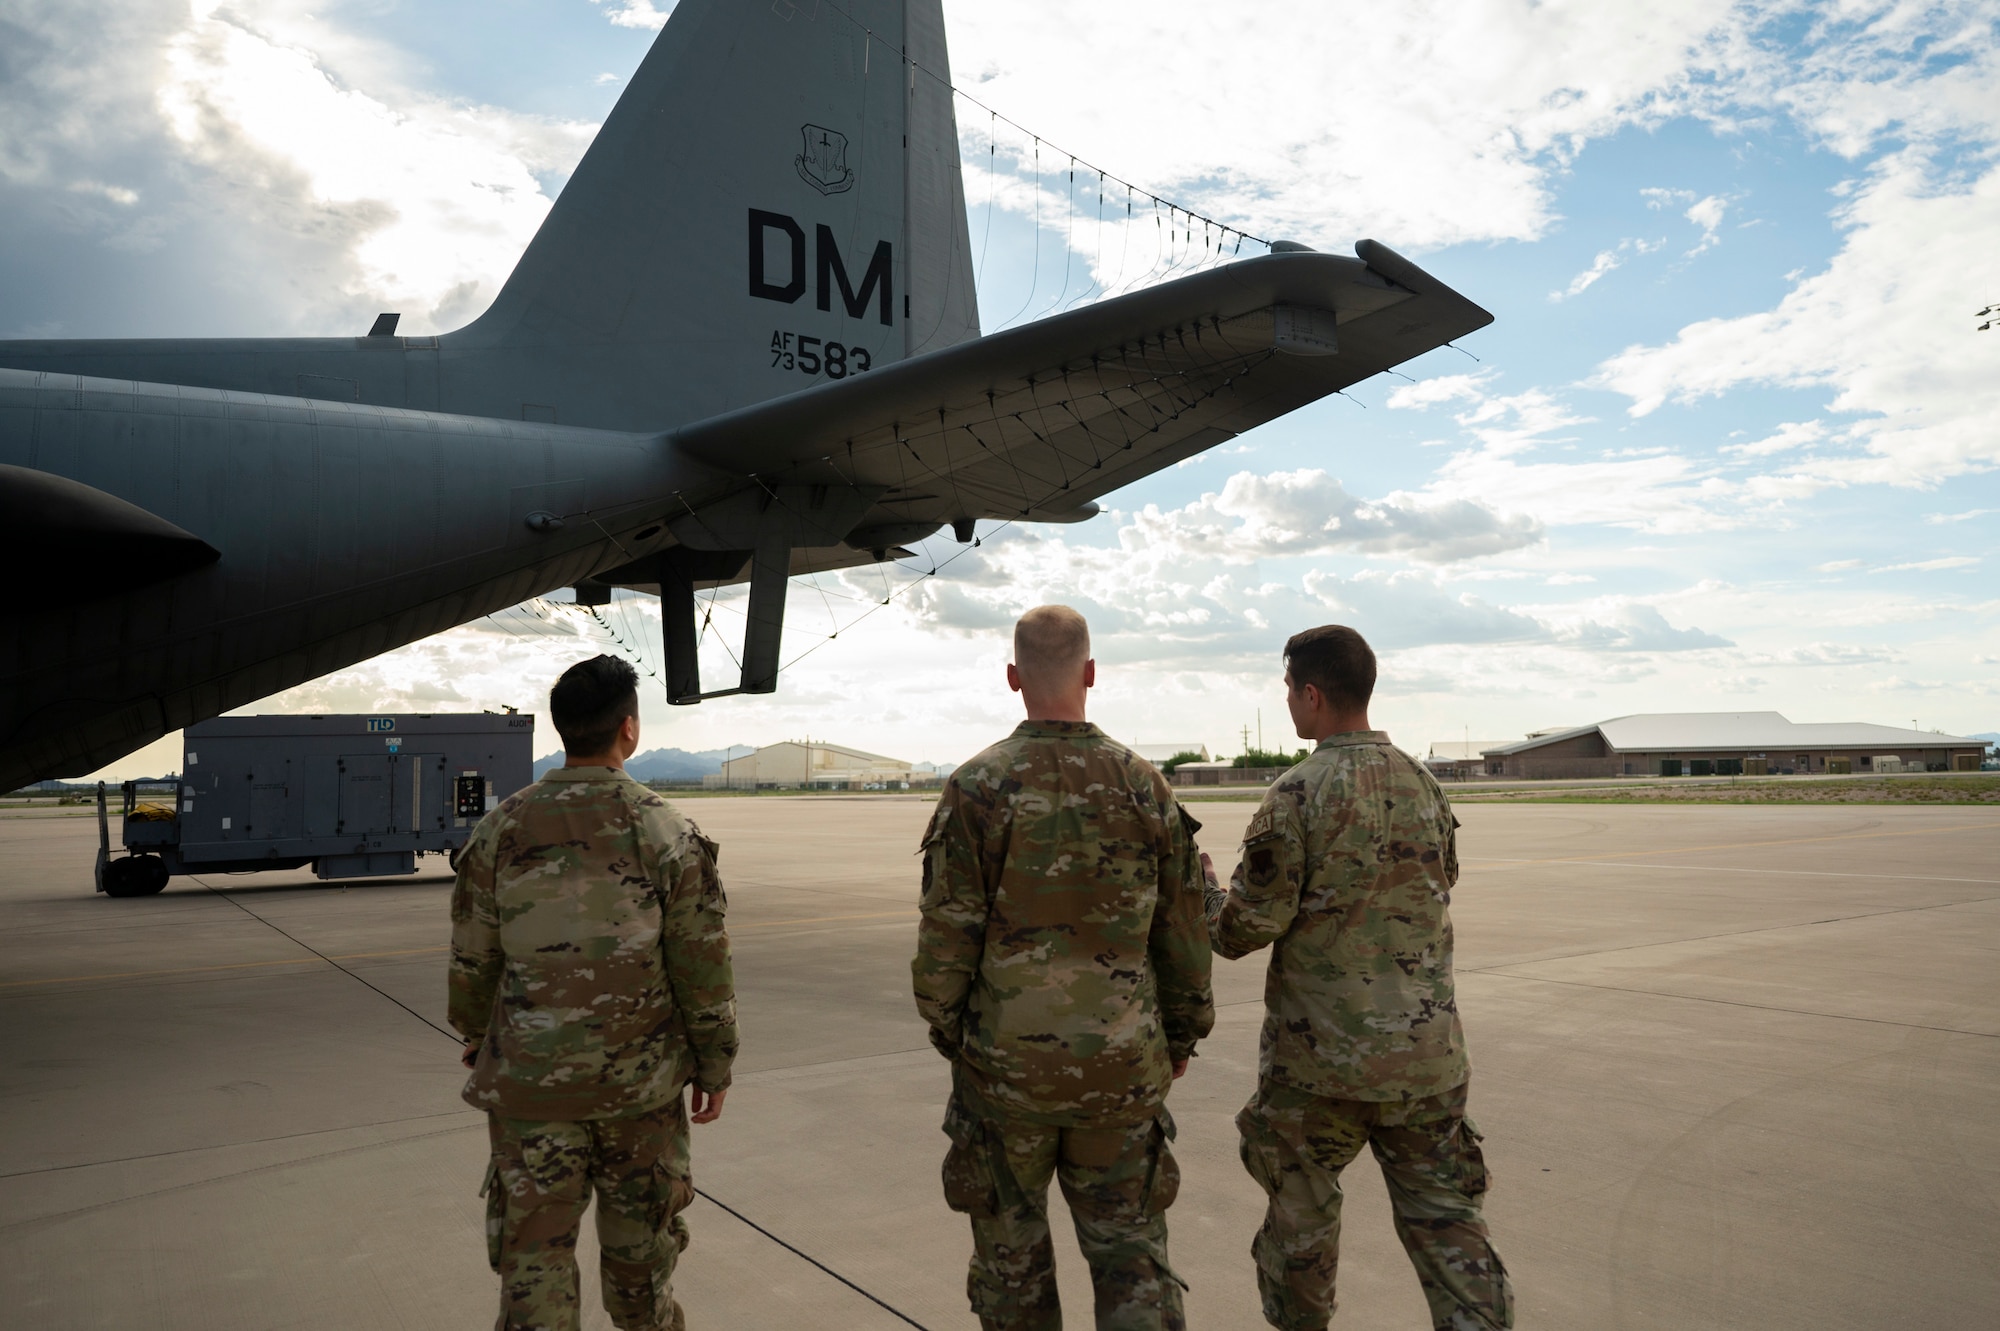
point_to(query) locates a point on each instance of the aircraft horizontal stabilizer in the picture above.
(1035, 422)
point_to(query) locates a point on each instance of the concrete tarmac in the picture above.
(1736, 1067)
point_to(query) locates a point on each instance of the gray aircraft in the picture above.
(743, 346)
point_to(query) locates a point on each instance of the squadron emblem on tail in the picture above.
(823, 164)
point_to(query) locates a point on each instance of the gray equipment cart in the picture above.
(353, 796)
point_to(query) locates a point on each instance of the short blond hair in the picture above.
(1051, 645)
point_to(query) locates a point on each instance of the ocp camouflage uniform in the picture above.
(589, 958)
(1347, 870)
(1063, 964)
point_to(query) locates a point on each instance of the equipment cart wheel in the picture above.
(134, 876)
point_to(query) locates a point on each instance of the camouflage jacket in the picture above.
(1062, 961)
(588, 952)
(1347, 872)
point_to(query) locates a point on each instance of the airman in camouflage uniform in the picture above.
(590, 975)
(1346, 873)
(1063, 967)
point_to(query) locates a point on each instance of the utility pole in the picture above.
(1246, 739)
(1260, 730)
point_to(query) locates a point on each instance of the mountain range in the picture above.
(664, 764)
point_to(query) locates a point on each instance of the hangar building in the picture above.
(816, 765)
(1729, 743)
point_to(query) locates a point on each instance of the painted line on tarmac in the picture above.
(199, 970)
(1753, 845)
(1706, 868)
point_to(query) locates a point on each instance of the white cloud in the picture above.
(437, 199)
(1707, 214)
(1440, 388)
(1509, 92)
(221, 138)
(1626, 625)
(1939, 519)
(1606, 260)
(1914, 400)
(1309, 512)
(1824, 654)
(1789, 436)
(1930, 565)
(644, 14)
(1657, 198)
(1837, 565)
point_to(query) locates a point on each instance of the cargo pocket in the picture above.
(672, 1195)
(1259, 1148)
(1163, 1182)
(1473, 1179)
(968, 1168)
(495, 1194)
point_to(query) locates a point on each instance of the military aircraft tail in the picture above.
(774, 202)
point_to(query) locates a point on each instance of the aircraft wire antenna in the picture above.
(1069, 238)
(1096, 281)
(625, 649)
(1035, 226)
(301, 943)
(804, 1256)
(938, 566)
(916, 66)
(992, 177)
(922, 577)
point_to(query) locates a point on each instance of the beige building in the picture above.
(808, 764)
(1729, 743)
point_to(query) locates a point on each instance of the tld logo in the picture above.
(828, 267)
(379, 724)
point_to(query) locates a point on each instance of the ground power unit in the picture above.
(352, 796)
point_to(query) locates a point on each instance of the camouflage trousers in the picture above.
(1118, 1182)
(537, 1186)
(1295, 1144)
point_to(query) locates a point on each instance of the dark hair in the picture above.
(1337, 661)
(589, 701)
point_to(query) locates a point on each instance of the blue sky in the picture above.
(1730, 443)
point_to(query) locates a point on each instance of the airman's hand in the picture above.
(1180, 1065)
(470, 1054)
(1208, 873)
(707, 1105)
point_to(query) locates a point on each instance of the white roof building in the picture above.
(1669, 743)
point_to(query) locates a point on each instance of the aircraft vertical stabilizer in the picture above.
(775, 202)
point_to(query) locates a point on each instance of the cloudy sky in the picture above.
(1730, 443)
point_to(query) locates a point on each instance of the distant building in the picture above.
(1728, 743)
(813, 765)
(1159, 753)
(1458, 759)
